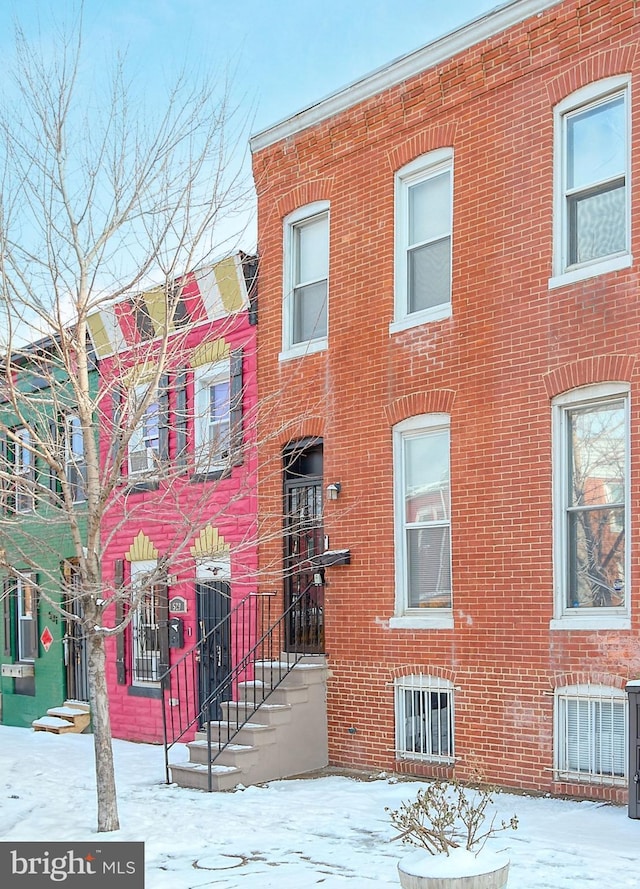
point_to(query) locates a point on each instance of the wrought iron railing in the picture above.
(258, 645)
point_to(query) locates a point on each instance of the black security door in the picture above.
(304, 539)
(75, 649)
(214, 647)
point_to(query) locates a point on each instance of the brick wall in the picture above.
(509, 346)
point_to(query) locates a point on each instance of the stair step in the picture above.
(266, 714)
(256, 691)
(79, 719)
(237, 755)
(53, 724)
(195, 775)
(284, 674)
(78, 705)
(251, 733)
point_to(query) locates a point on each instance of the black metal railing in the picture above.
(261, 664)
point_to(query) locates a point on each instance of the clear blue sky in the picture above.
(285, 54)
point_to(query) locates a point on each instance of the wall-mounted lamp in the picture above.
(333, 490)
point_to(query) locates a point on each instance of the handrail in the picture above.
(254, 647)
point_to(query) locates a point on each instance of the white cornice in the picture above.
(434, 53)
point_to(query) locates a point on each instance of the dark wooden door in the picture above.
(214, 640)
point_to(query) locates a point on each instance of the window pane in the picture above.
(597, 453)
(429, 567)
(430, 209)
(597, 224)
(219, 401)
(596, 144)
(310, 312)
(311, 250)
(426, 472)
(429, 275)
(596, 558)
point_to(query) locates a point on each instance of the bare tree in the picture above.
(100, 195)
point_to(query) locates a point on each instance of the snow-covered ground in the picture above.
(330, 832)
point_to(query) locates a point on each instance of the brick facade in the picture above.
(511, 344)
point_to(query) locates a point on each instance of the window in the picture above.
(144, 444)
(424, 194)
(24, 471)
(424, 718)
(591, 734)
(423, 523)
(591, 484)
(306, 280)
(76, 468)
(146, 656)
(213, 416)
(592, 181)
(27, 613)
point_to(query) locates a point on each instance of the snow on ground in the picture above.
(330, 832)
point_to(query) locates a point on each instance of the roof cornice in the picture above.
(482, 28)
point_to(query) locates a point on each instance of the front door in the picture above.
(214, 599)
(304, 539)
(75, 649)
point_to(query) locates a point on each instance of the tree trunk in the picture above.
(105, 775)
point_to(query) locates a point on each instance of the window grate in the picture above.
(424, 718)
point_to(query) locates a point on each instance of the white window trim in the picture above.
(422, 682)
(205, 376)
(405, 617)
(587, 692)
(563, 275)
(140, 569)
(137, 435)
(25, 579)
(24, 479)
(575, 618)
(71, 459)
(320, 344)
(418, 170)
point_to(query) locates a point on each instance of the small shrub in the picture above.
(445, 815)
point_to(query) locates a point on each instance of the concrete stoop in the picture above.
(71, 717)
(287, 735)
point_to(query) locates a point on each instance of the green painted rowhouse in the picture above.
(41, 653)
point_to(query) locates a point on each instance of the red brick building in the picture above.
(449, 325)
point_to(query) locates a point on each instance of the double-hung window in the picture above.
(591, 734)
(213, 416)
(306, 284)
(423, 517)
(27, 617)
(423, 236)
(592, 195)
(424, 718)
(591, 497)
(24, 471)
(144, 444)
(76, 468)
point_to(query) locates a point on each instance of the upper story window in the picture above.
(24, 471)
(76, 468)
(423, 231)
(592, 195)
(213, 416)
(423, 518)
(591, 497)
(306, 284)
(144, 444)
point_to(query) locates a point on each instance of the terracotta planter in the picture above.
(459, 870)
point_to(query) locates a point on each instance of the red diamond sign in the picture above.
(46, 638)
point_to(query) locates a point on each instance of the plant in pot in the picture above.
(449, 824)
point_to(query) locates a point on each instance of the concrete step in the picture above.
(282, 674)
(237, 755)
(252, 734)
(235, 712)
(255, 691)
(195, 775)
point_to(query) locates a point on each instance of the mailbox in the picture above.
(176, 632)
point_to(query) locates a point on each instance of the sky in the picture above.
(331, 832)
(281, 55)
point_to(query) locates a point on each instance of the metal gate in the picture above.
(74, 642)
(304, 539)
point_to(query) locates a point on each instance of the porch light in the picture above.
(333, 490)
